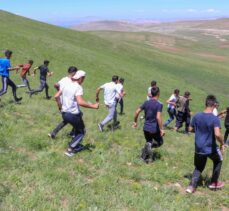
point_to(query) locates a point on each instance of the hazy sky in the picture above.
(60, 11)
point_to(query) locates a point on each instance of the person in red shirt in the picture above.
(24, 70)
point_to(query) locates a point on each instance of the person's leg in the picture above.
(187, 122)
(226, 135)
(46, 91)
(147, 149)
(179, 120)
(40, 89)
(217, 159)
(121, 105)
(14, 89)
(22, 85)
(110, 116)
(158, 140)
(199, 162)
(26, 82)
(171, 113)
(4, 85)
(57, 129)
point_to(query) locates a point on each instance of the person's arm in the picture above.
(159, 121)
(171, 102)
(14, 68)
(35, 70)
(222, 114)
(57, 86)
(219, 138)
(50, 74)
(191, 129)
(57, 98)
(97, 94)
(135, 123)
(83, 103)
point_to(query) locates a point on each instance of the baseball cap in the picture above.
(79, 74)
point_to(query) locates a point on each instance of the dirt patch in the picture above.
(28, 153)
(212, 56)
(164, 46)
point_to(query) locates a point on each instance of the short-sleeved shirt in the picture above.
(110, 91)
(204, 124)
(173, 99)
(43, 72)
(151, 108)
(25, 69)
(4, 67)
(120, 90)
(69, 94)
(64, 82)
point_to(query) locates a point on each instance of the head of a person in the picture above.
(210, 101)
(46, 62)
(30, 61)
(187, 94)
(177, 92)
(8, 54)
(121, 80)
(155, 91)
(72, 70)
(79, 76)
(115, 78)
(153, 83)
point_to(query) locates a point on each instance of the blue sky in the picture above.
(60, 11)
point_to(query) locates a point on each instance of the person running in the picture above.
(184, 113)
(25, 69)
(59, 85)
(44, 71)
(72, 99)
(5, 67)
(207, 129)
(118, 97)
(110, 92)
(153, 128)
(153, 84)
(226, 124)
(172, 106)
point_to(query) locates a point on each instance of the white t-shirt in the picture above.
(69, 93)
(149, 92)
(110, 91)
(120, 90)
(215, 112)
(173, 99)
(64, 81)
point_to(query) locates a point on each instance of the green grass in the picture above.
(35, 173)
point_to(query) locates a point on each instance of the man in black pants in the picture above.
(207, 129)
(44, 71)
(5, 67)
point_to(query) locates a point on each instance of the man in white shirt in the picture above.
(215, 110)
(172, 106)
(110, 92)
(59, 85)
(118, 97)
(72, 99)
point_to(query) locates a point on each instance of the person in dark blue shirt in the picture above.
(153, 128)
(5, 67)
(207, 129)
(44, 72)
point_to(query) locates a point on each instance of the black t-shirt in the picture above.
(151, 107)
(226, 122)
(43, 72)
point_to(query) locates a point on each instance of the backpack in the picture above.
(181, 104)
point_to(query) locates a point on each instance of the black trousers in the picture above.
(121, 103)
(5, 83)
(154, 138)
(79, 129)
(226, 135)
(182, 117)
(200, 162)
(43, 85)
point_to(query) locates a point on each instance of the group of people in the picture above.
(69, 98)
(5, 68)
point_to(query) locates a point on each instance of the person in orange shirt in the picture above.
(24, 70)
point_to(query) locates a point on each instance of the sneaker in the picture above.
(216, 185)
(18, 99)
(48, 98)
(100, 127)
(147, 151)
(69, 153)
(190, 189)
(51, 135)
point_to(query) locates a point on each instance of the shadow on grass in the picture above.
(204, 181)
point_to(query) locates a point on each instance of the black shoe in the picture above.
(51, 135)
(147, 152)
(48, 98)
(18, 99)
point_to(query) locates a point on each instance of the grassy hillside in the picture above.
(35, 173)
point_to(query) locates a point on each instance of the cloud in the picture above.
(192, 10)
(212, 11)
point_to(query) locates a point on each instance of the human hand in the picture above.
(134, 125)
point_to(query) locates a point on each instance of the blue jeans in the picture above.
(172, 115)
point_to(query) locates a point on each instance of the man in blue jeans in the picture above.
(5, 67)
(172, 106)
(207, 129)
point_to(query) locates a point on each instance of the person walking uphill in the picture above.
(5, 67)
(110, 91)
(44, 71)
(207, 129)
(153, 128)
(72, 99)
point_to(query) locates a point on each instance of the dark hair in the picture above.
(8, 53)
(46, 62)
(121, 80)
(72, 69)
(187, 94)
(153, 83)
(155, 91)
(210, 101)
(30, 61)
(114, 78)
(176, 91)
